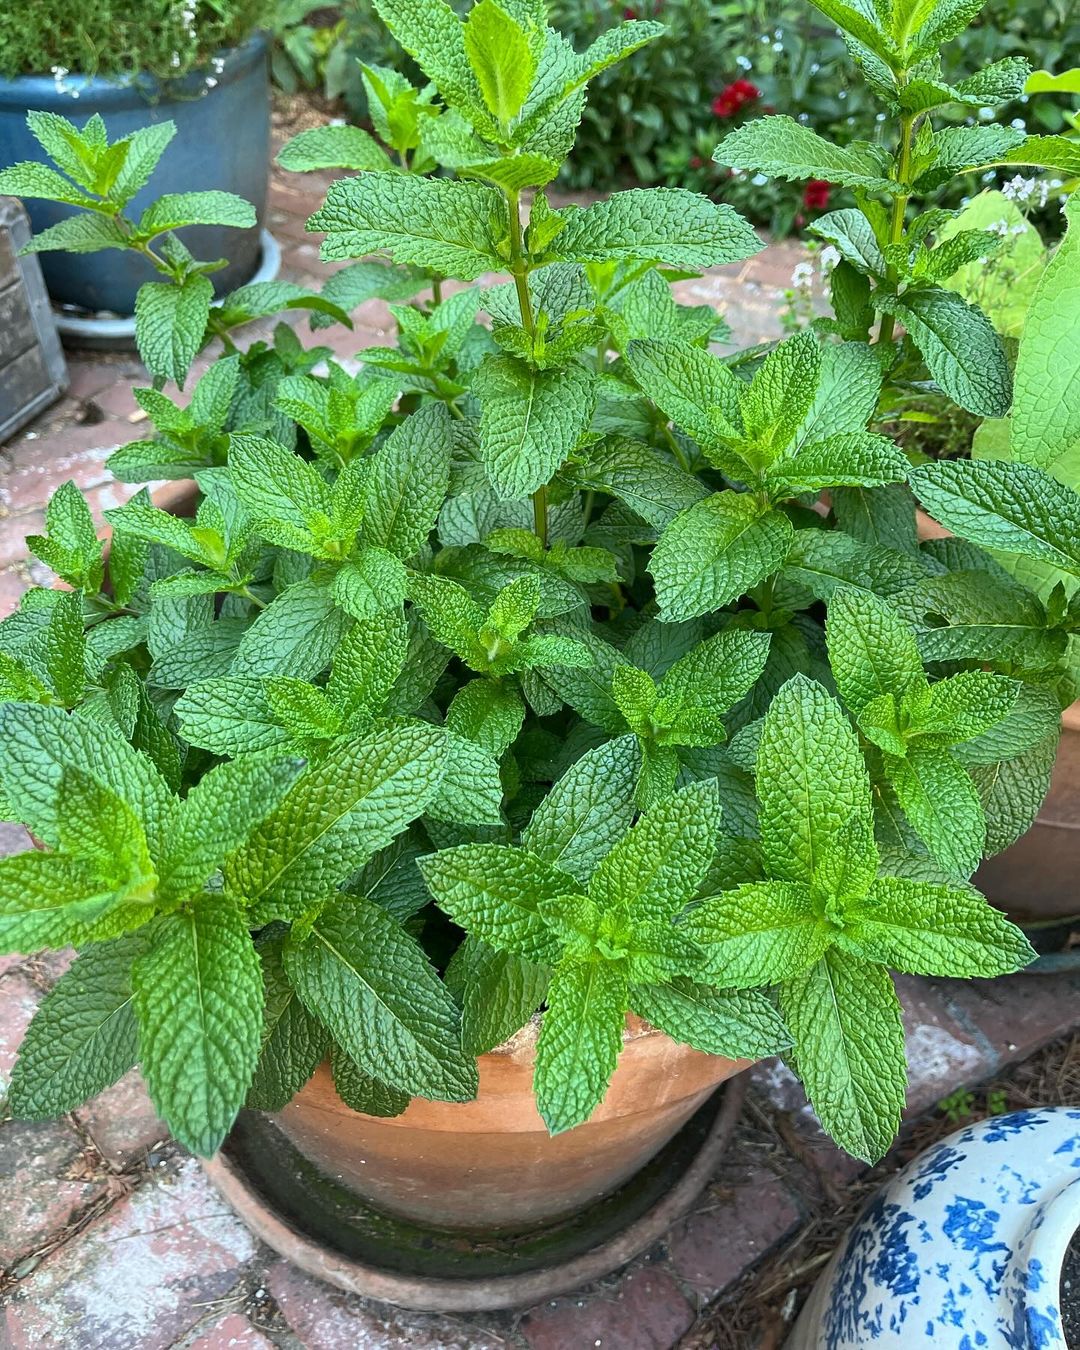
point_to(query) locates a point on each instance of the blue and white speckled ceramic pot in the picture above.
(963, 1250)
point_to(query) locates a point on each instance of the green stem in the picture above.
(519, 269)
(436, 291)
(248, 594)
(899, 209)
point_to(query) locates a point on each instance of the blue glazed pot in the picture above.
(963, 1250)
(222, 141)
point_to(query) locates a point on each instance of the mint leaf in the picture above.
(655, 869)
(494, 892)
(780, 147)
(587, 810)
(934, 930)
(499, 993)
(83, 1036)
(372, 985)
(758, 934)
(333, 147)
(360, 1092)
(872, 651)
(811, 779)
(672, 225)
(580, 1040)
(293, 1042)
(1014, 508)
(451, 227)
(199, 1000)
(715, 551)
(170, 323)
(958, 344)
(407, 481)
(735, 1023)
(501, 57)
(530, 420)
(844, 1017)
(296, 635)
(940, 800)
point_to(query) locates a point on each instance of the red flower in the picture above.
(696, 162)
(816, 194)
(629, 13)
(728, 102)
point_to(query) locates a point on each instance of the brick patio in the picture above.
(110, 1238)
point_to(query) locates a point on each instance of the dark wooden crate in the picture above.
(33, 373)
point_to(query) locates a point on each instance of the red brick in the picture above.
(1016, 1015)
(943, 1052)
(12, 961)
(325, 1318)
(140, 1276)
(716, 1245)
(231, 1332)
(122, 1121)
(13, 532)
(12, 585)
(19, 999)
(118, 401)
(645, 1312)
(38, 1166)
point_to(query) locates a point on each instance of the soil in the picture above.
(1070, 1294)
(758, 1313)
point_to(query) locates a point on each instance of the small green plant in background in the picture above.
(530, 667)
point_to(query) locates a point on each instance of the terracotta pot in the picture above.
(490, 1163)
(1035, 880)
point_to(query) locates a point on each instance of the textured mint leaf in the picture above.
(846, 460)
(964, 706)
(217, 817)
(1014, 508)
(229, 716)
(277, 486)
(959, 345)
(372, 985)
(940, 800)
(487, 712)
(372, 583)
(654, 488)
(778, 399)
(170, 323)
(588, 689)
(872, 651)
(671, 225)
(407, 481)
(844, 1017)
(587, 810)
(333, 147)
(392, 879)
(851, 234)
(199, 1002)
(360, 1092)
(293, 1042)
(655, 869)
(296, 635)
(502, 58)
(614, 44)
(494, 892)
(470, 791)
(451, 227)
(63, 649)
(1013, 790)
(974, 616)
(822, 560)
(715, 551)
(30, 179)
(434, 36)
(779, 147)
(499, 992)
(1046, 403)
(83, 1036)
(691, 386)
(70, 546)
(51, 900)
(79, 234)
(934, 930)
(580, 1039)
(530, 420)
(339, 813)
(366, 667)
(735, 1023)
(811, 779)
(758, 934)
(38, 743)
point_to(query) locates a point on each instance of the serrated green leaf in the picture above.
(199, 1002)
(716, 551)
(580, 1040)
(296, 635)
(871, 650)
(372, 985)
(735, 1023)
(170, 323)
(333, 147)
(499, 992)
(293, 1042)
(360, 1092)
(501, 57)
(407, 482)
(844, 1017)
(758, 934)
(780, 147)
(940, 800)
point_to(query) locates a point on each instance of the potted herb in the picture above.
(505, 749)
(199, 68)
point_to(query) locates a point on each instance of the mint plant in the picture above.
(550, 663)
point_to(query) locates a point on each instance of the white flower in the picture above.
(759, 180)
(986, 114)
(744, 63)
(1018, 189)
(1018, 124)
(999, 227)
(1021, 227)
(830, 256)
(802, 278)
